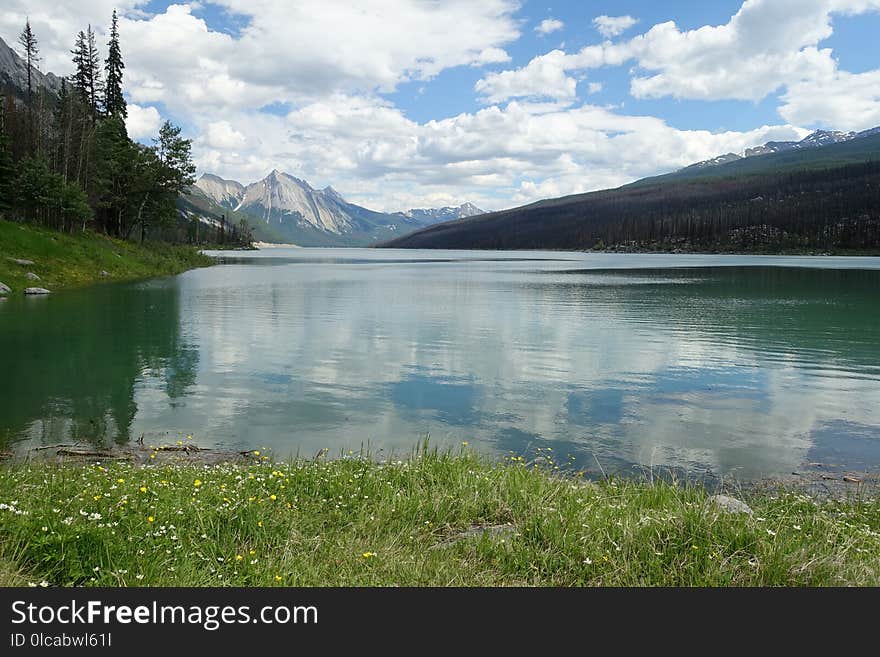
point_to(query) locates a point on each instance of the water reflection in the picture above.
(730, 370)
(70, 364)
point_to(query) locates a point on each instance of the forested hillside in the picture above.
(824, 199)
(67, 162)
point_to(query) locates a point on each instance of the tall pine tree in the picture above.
(114, 102)
(31, 55)
(93, 60)
(87, 78)
(80, 61)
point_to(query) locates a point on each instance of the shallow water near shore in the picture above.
(715, 366)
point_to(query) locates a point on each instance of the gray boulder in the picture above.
(730, 504)
(21, 261)
(104, 272)
(31, 276)
(36, 290)
(5, 289)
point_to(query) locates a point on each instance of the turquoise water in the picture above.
(738, 366)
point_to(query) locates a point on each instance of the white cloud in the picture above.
(549, 25)
(55, 25)
(612, 26)
(491, 56)
(839, 100)
(496, 157)
(330, 63)
(221, 135)
(142, 122)
(766, 46)
(543, 77)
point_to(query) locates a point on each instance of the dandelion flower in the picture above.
(273, 497)
(277, 578)
(259, 523)
(151, 519)
(197, 483)
(238, 557)
(368, 555)
(256, 452)
(143, 489)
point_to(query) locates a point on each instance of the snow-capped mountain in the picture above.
(13, 73)
(425, 216)
(282, 207)
(815, 139)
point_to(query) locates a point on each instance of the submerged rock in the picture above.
(31, 276)
(5, 289)
(730, 504)
(36, 290)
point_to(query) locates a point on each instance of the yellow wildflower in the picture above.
(150, 519)
(197, 483)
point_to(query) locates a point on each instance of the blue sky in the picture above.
(401, 103)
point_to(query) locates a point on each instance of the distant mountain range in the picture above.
(815, 139)
(283, 208)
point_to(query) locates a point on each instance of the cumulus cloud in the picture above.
(329, 65)
(767, 45)
(549, 25)
(612, 26)
(543, 77)
(495, 157)
(142, 122)
(221, 135)
(56, 23)
(841, 99)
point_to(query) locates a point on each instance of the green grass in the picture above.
(357, 522)
(62, 260)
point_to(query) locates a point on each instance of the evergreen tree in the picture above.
(114, 102)
(7, 168)
(115, 159)
(93, 62)
(87, 78)
(80, 61)
(31, 55)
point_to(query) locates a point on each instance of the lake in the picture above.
(716, 366)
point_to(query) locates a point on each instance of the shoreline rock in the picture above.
(34, 291)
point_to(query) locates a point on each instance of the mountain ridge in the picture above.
(799, 199)
(282, 206)
(816, 139)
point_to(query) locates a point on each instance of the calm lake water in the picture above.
(711, 365)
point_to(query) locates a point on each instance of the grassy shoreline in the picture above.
(64, 261)
(431, 519)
